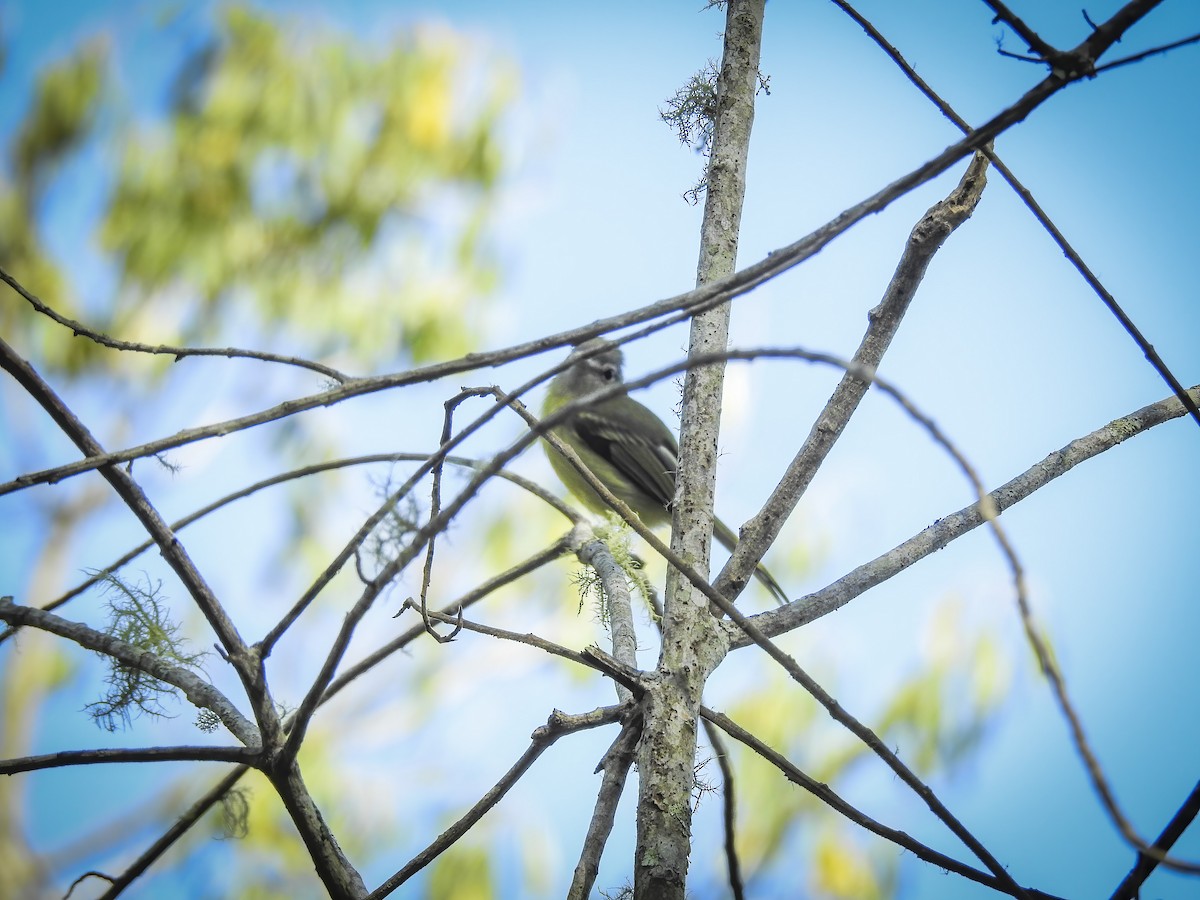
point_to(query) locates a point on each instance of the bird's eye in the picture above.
(608, 373)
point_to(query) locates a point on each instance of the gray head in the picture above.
(594, 364)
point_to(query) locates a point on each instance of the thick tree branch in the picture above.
(689, 652)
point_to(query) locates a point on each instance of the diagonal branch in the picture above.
(542, 738)
(1034, 207)
(199, 692)
(677, 307)
(193, 814)
(1148, 861)
(1145, 54)
(129, 491)
(81, 330)
(331, 863)
(1031, 38)
(926, 238)
(615, 765)
(178, 829)
(832, 799)
(524, 483)
(946, 528)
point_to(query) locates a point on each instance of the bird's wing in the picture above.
(648, 461)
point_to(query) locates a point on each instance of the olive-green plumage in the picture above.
(627, 447)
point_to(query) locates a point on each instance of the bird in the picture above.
(628, 448)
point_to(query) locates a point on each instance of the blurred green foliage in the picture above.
(300, 189)
(934, 718)
(326, 195)
(314, 184)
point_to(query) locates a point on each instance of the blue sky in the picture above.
(1004, 347)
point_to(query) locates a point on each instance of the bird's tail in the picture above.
(728, 539)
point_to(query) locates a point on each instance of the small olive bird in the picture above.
(627, 447)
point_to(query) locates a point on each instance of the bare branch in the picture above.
(733, 867)
(826, 795)
(1034, 207)
(81, 330)
(524, 483)
(168, 543)
(246, 755)
(603, 716)
(181, 827)
(595, 553)
(946, 528)
(1028, 35)
(688, 655)
(1153, 51)
(592, 657)
(926, 238)
(675, 308)
(1148, 861)
(615, 765)
(469, 599)
(541, 739)
(199, 692)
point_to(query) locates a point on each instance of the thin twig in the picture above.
(81, 330)
(200, 753)
(1028, 35)
(678, 307)
(541, 740)
(559, 548)
(524, 483)
(178, 829)
(615, 765)
(733, 867)
(832, 799)
(199, 692)
(1153, 51)
(592, 657)
(1147, 862)
(1034, 207)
